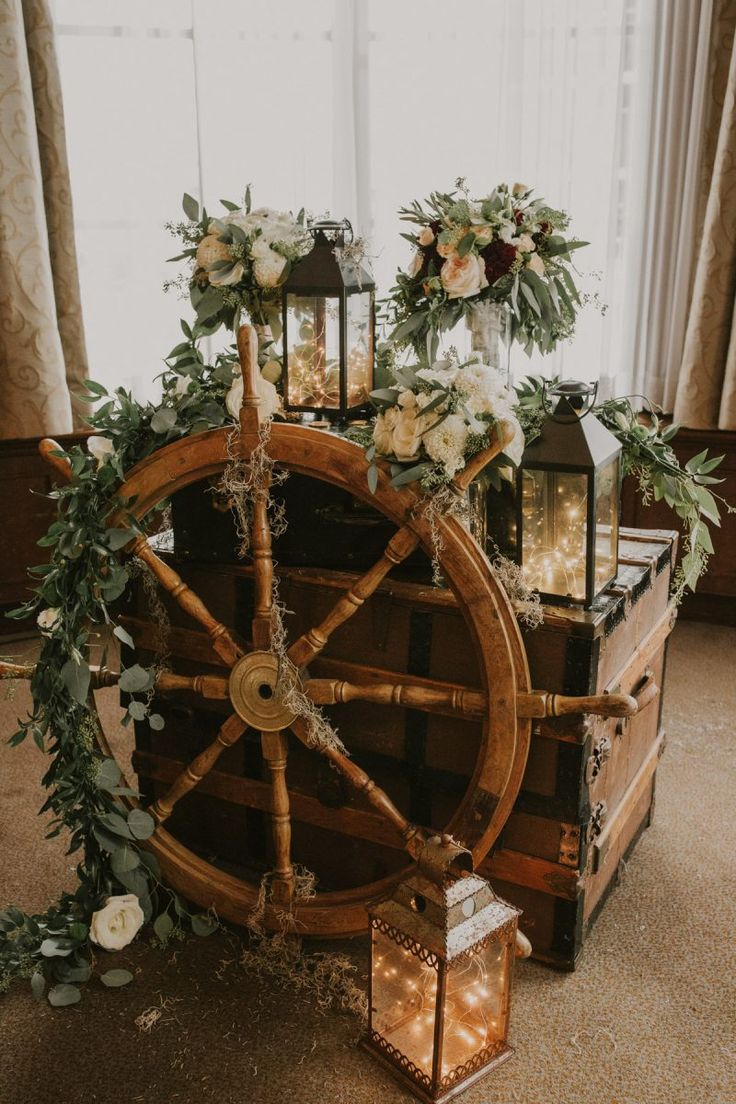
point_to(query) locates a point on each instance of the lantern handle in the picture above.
(568, 389)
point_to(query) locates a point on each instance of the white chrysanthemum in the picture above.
(269, 268)
(482, 388)
(435, 374)
(446, 442)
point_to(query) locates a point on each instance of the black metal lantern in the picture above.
(567, 500)
(329, 323)
(442, 956)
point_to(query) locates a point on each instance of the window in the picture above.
(356, 106)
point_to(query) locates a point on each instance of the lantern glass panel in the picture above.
(554, 531)
(606, 524)
(359, 347)
(404, 1000)
(313, 353)
(475, 1005)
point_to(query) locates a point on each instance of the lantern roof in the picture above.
(569, 441)
(325, 270)
(445, 911)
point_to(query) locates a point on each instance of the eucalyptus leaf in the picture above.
(163, 926)
(135, 679)
(190, 207)
(203, 924)
(141, 823)
(62, 995)
(108, 775)
(114, 979)
(76, 677)
(163, 420)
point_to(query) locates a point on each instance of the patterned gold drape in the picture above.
(42, 351)
(706, 387)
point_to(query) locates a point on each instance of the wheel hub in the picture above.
(253, 692)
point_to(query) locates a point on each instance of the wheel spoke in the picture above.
(363, 783)
(461, 700)
(274, 746)
(191, 603)
(262, 571)
(311, 643)
(207, 686)
(229, 734)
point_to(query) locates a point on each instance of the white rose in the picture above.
(48, 619)
(181, 387)
(515, 449)
(519, 189)
(409, 426)
(115, 925)
(536, 264)
(210, 250)
(463, 276)
(267, 393)
(507, 233)
(427, 236)
(525, 243)
(483, 234)
(269, 269)
(100, 448)
(383, 431)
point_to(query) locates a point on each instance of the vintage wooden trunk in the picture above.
(588, 790)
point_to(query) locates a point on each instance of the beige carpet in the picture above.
(648, 1018)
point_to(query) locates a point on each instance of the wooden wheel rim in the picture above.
(503, 669)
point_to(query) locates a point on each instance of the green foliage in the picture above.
(83, 579)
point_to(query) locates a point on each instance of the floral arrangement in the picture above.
(436, 418)
(507, 247)
(239, 260)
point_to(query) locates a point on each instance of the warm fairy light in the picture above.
(405, 1004)
(313, 326)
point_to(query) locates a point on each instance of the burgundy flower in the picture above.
(499, 257)
(518, 217)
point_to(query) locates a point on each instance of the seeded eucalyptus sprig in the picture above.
(649, 457)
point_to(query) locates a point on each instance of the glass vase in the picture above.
(489, 326)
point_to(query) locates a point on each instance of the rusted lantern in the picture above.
(442, 955)
(329, 324)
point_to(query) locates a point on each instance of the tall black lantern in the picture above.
(567, 500)
(329, 322)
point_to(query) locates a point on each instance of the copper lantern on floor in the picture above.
(567, 500)
(329, 323)
(442, 954)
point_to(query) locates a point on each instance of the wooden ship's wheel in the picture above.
(504, 703)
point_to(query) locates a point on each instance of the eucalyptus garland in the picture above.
(74, 600)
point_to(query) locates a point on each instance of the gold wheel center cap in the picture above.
(253, 690)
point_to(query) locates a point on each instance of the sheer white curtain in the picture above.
(356, 106)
